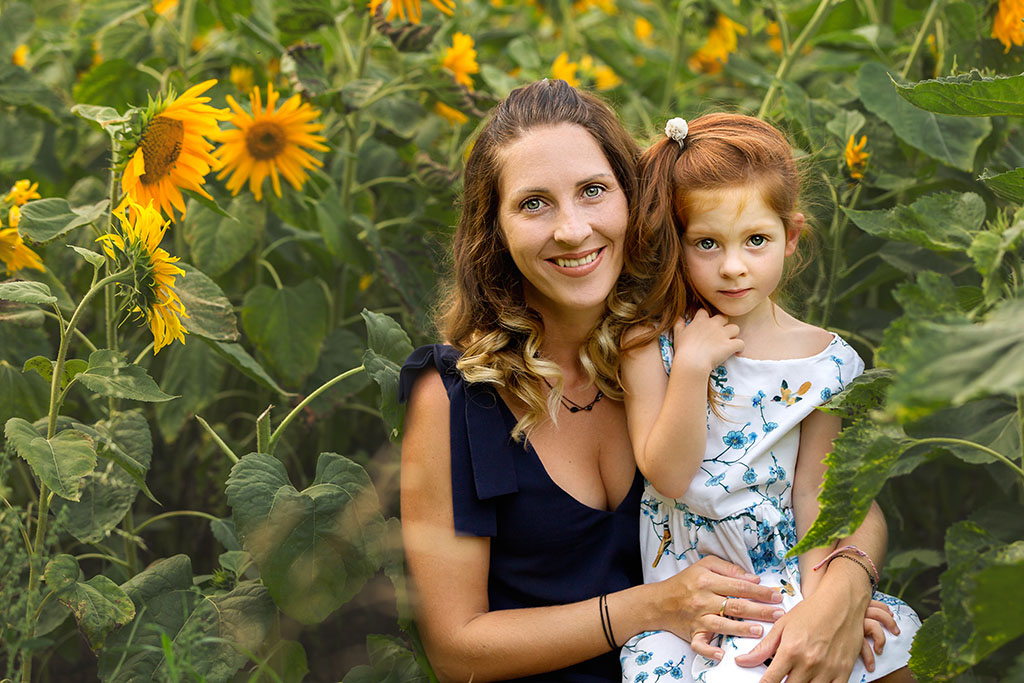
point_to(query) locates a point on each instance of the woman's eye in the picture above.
(757, 240)
(531, 204)
(706, 243)
(593, 191)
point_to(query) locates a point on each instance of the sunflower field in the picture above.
(223, 226)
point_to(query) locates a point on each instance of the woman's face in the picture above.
(563, 217)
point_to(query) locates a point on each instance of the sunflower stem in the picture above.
(817, 19)
(677, 55)
(273, 273)
(922, 32)
(188, 11)
(276, 436)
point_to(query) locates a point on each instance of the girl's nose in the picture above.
(573, 227)
(733, 265)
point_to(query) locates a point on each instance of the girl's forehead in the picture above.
(724, 202)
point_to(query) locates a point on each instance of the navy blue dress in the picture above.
(547, 548)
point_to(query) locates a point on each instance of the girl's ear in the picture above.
(793, 233)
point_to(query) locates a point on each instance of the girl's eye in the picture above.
(531, 204)
(757, 240)
(593, 191)
(706, 243)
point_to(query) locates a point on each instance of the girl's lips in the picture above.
(584, 268)
(734, 293)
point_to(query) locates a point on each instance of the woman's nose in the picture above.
(573, 227)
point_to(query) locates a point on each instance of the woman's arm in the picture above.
(464, 640)
(666, 413)
(824, 633)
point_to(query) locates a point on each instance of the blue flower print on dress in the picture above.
(643, 658)
(715, 480)
(826, 394)
(770, 427)
(640, 677)
(758, 399)
(749, 477)
(735, 439)
(727, 394)
(719, 376)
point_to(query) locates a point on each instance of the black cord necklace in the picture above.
(572, 405)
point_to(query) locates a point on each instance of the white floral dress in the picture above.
(739, 508)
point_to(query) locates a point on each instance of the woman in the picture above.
(510, 542)
(520, 495)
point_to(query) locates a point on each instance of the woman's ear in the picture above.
(793, 232)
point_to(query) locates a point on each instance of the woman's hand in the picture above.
(694, 598)
(817, 640)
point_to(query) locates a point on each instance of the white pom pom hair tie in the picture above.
(677, 129)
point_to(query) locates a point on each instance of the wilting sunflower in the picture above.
(173, 152)
(410, 9)
(268, 142)
(151, 296)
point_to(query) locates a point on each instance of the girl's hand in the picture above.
(818, 640)
(878, 615)
(706, 341)
(694, 597)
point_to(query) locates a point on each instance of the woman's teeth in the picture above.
(575, 263)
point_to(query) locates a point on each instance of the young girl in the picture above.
(719, 412)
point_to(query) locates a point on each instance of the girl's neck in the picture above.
(762, 321)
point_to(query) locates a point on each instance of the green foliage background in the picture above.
(286, 563)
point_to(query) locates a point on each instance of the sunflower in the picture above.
(172, 151)
(269, 142)
(22, 192)
(20, 55)
(14, 254)
(643, 30)
(410, 9)
(565, 70)
(450, 114)
(1008, 25)
(151, 297)
(605, 78)
(721, 42)
(856, 157)
(460, 59)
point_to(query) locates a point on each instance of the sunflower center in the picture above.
(265, 140)
(161, 145)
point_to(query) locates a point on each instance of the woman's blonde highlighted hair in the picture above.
(484, 312)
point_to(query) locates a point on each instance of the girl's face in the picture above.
(734, 248)
(563, 217)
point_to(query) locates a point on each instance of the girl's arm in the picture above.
(467, 641)
(824, 633)
(666, 414)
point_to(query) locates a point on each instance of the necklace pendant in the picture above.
(574, 409)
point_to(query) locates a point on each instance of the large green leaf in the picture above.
(943, 222)
(109, 491)
(951, 140)
(860, 463)
(385, 373)
(27, 292)
(941, 363)
(314, 548)
(969, 94)
(192, 371)
(18, 87)
(218, 243)
(247, 365)
(1008, 185)
(23, 395)
(110, 374)
(210, 313)
(862, 395)
(209, 636)
(390, 662)
(28, 130)
(386, 337)
(60, 462)
(44, 220)
(929, 660)
(98, 604)
(287, 325)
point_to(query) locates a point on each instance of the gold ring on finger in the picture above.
(721, 610)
